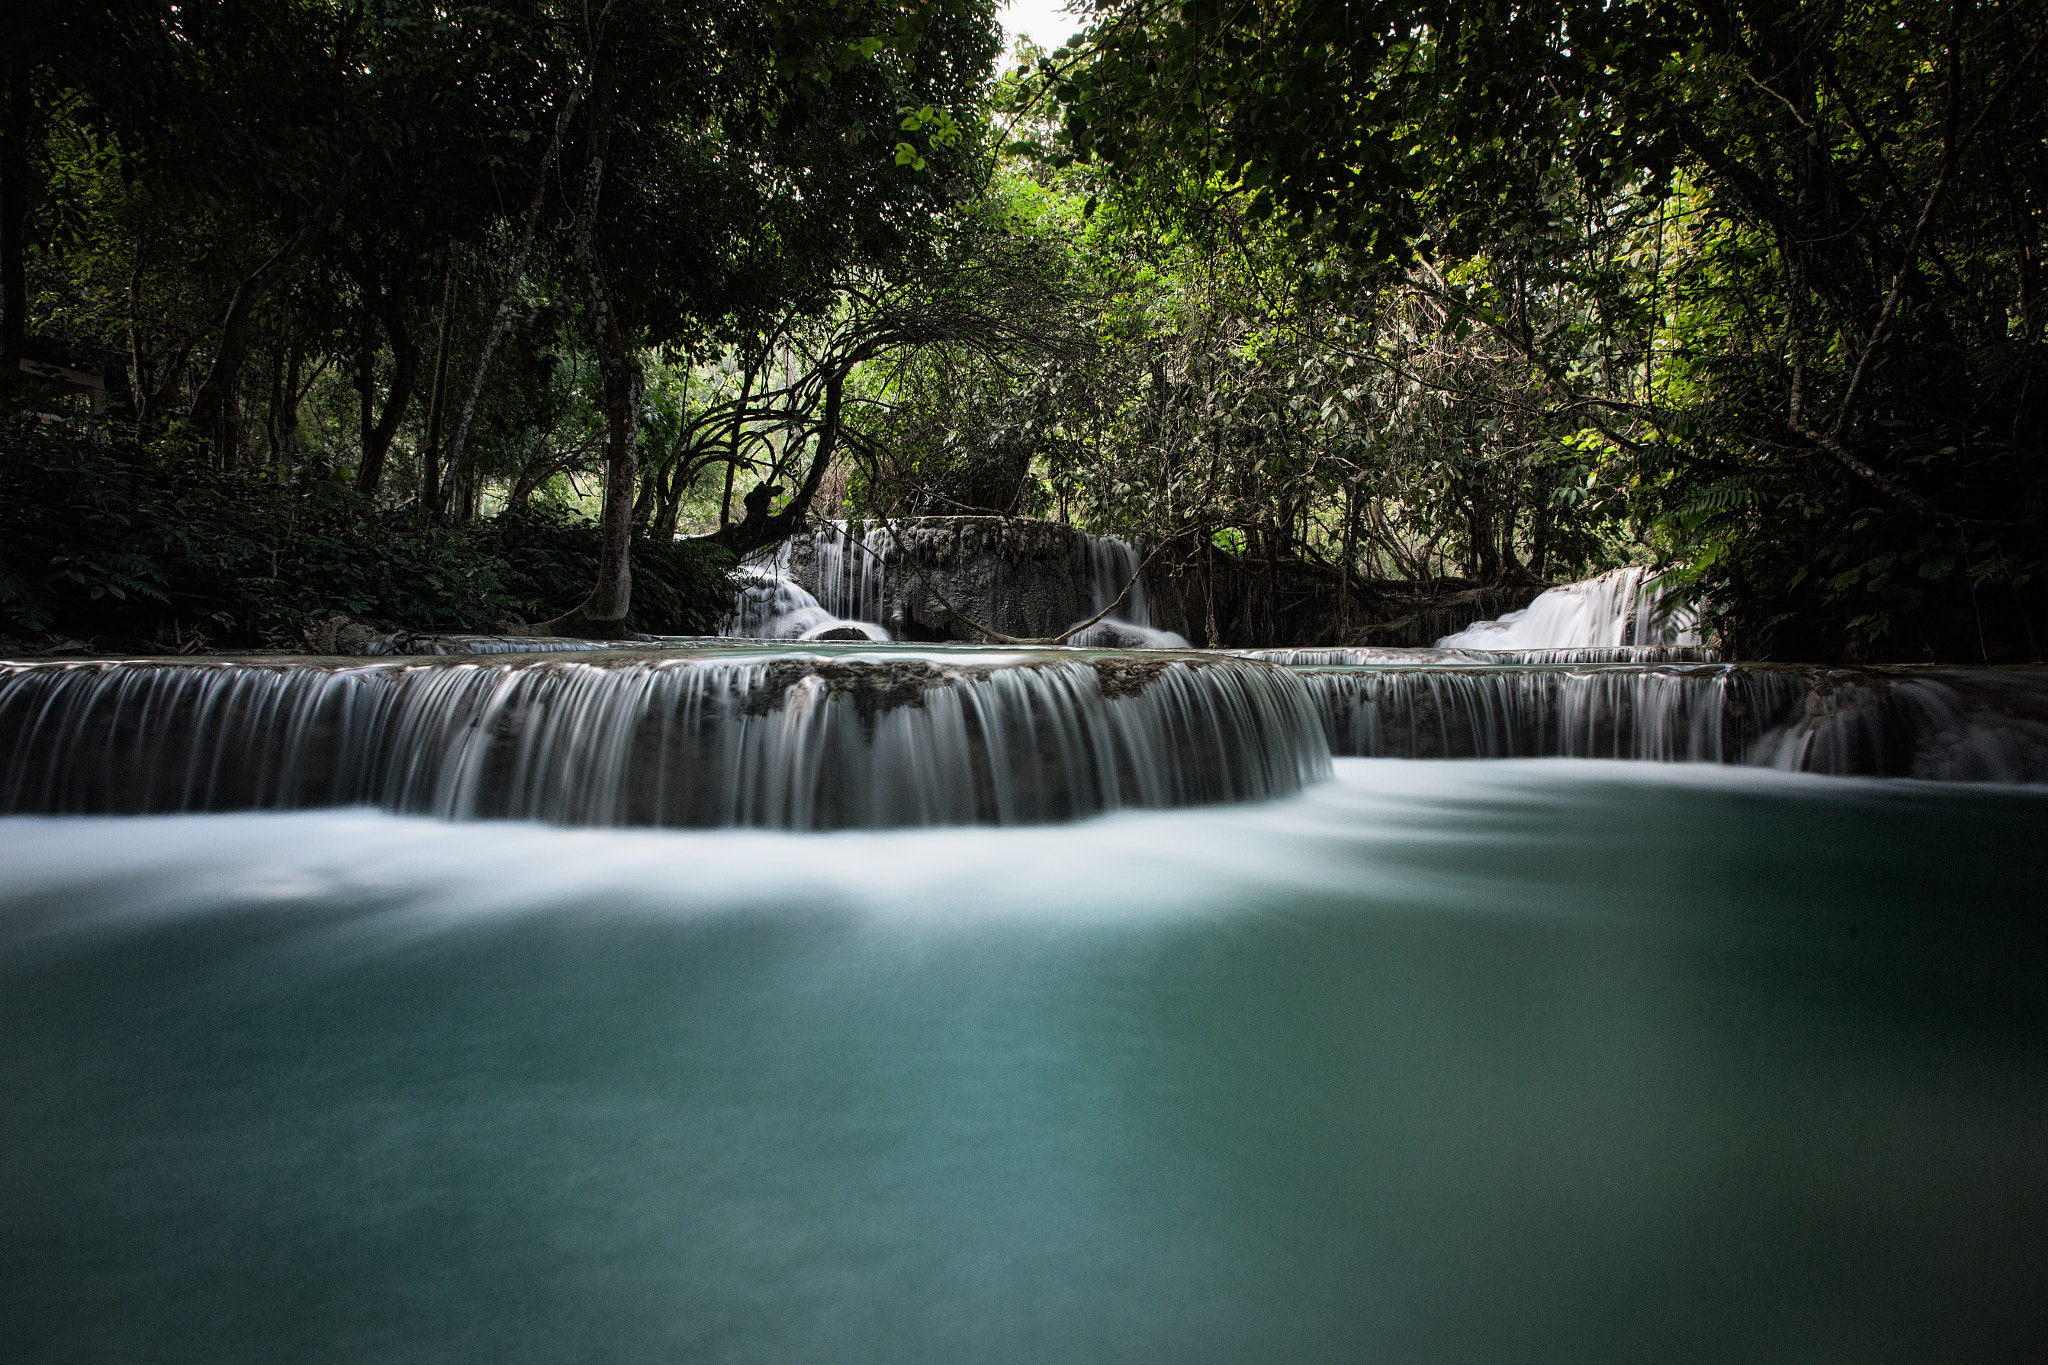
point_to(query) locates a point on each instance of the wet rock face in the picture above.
(1028, 579)
(878, 686)
(872, 687)
(344, 635)
(1130, 677)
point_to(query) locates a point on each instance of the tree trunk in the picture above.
(366, 395)
(444, 491)
(216, 393)
(274, 413)
(405, 361)
(1350, 549)
(288, 420)
(138, 402)
(602, 615)
(14, 173)
(430, 458)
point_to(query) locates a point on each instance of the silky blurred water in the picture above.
(1488, 1062)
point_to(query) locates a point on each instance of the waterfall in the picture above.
(1624, 607)
(1947, 724)
(773, 606)
(1112, 563)
(1950, 724)
(1353, 655)
(840, 580)
(784, 741)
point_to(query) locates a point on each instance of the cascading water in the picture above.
(1952, 725)
(850, 573)
(1705, 714)
(1624, 607)
(785, 741)
(772, 606)
(1221, 1080)
(1352, 655)
(1114, 563)
(845, 580)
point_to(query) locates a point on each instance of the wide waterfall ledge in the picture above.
(1941, 724)
(774, 737)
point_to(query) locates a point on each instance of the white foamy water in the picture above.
(1615, 609)
(851, 566)
(1346, 838)
(787, 739)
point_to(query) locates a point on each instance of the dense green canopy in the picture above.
(1323, 299)
(1770, 268)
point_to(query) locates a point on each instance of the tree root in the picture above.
(575, 625)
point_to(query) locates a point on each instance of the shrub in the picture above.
(120, 542)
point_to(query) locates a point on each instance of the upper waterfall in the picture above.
(1620, 608)
(922, 579)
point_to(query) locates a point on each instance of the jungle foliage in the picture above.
(1325, 299)
(459, 257)
(1761, 278)
(121, 545)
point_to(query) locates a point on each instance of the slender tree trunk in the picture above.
(366, 395)
(389, 309)
(1350, 548)
(646, 497)
(139, 396)
(430, 458)
(216, 392)
(288, 421)
(671, 508)
(231, 430)
(1213, 637)
(274, 415)
(1510, 562)
(14, 174)
(445, 490)
(602, 615)
(612, 595)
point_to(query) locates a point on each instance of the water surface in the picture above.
(1487, 1062)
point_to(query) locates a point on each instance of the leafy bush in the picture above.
(547, 562)
(122, 542)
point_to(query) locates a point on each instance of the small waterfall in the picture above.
(1112, 563)
(773, 606)
(786, 742)
(839, 579)
(1708, 714)
(1354, 655)
(848, 564)
(1614, 609)
(1950, 724)
(1955, 725)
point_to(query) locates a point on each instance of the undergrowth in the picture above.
(118, 543)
